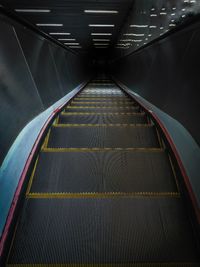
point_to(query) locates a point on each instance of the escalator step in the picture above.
(108, 171)
(82, 137)
(102, 109)
(104, 231)
(102, 119)
(102, 104)
(121, 100)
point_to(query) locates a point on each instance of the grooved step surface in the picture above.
(120, 109)
(101, 99)
(103, 172)
(125, 230)
(102, 104)
(102, 119)
(124, 137)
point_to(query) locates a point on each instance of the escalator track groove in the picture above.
(103, 191)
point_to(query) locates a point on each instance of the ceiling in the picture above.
(73, 18)
(122, 26)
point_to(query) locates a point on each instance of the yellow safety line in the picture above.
(102, 195)
(82, 107)
(97, 149)
(32, 176)
(46, 140)
(102, 102)
(174, 172)
(56, 120)
(102, 97)
(145, 264)
(102, 113)
(65, 125)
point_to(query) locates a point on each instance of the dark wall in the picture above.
(34, 74)
(167, 74)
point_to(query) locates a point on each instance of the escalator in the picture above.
(103, 191)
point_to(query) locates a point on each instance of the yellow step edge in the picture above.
(81, 107)
(97, 149)
(102, 113)
(102, 195)
(102, 125)
(145, 264)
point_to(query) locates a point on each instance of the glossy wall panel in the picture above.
(167, 75)
(34, 74)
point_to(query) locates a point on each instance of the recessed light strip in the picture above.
(49, 24)
(101, 11)
(101, 25)
(71, 43)
(100, 34)
(101, 40)
(138, 26)
(66, 39)
(60, 33)
(33, 10)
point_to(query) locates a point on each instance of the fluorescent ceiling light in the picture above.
(71, 43)
(153, 27)
(126, 40)
(101, 25)
(100, 44)
(60, 33)
(163, 13)
(33, 10)
(101, 11)
(72, 46)
(137, 41)
(172, 25)
(101, 40)
(101, 34)
(66, 39)
(134, 34)
(153, 15)
(49, 25)
(138, 26)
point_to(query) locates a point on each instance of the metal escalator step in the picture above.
(104, 231)
(111, 99)
(102, 104)
(111, 171)
(103, 109)
(81, 137)
(99, 97)
(102, 119)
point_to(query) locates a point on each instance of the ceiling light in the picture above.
(60, 33)
(101, 25)
(100, 34)
(137, 41)
(153, 27)
(138, 26)
(66, 39)
(49, 25)
(173, 14)
(100, 44)
(33, 10)
(163, 13)
(71, 43)
(172, 25)
(126, 40)
(101, 11)
(72, 46)
(153, 15)
(133, 34)
(101, 40)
